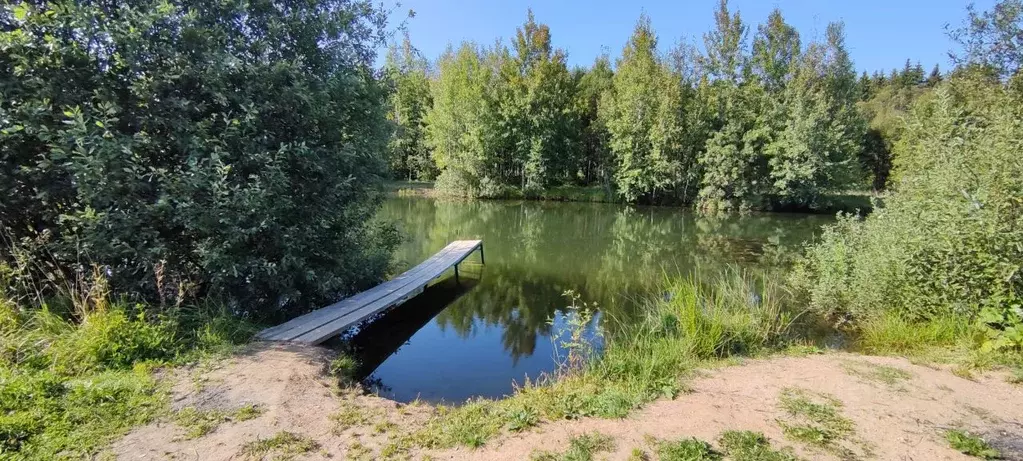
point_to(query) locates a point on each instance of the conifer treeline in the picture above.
(756, 120)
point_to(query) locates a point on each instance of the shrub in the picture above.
(948, 242)
(190, 154)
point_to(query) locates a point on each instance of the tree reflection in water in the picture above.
(485, 336)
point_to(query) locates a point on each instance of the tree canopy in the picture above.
(189, 154)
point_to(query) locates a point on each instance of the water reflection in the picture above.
(484, 336)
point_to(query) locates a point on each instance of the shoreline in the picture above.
(854, 203)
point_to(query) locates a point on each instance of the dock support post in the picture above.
(456, 273)
(482, 260)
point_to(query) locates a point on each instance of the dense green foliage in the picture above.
(740, 126)
(948, 241)
(193, 155)
(500, 116)
(77, 372)
(408, 154)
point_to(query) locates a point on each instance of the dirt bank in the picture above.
(897, 410)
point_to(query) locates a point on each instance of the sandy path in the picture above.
(901, 420)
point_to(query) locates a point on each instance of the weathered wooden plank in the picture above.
(317, 326)
(320, 316)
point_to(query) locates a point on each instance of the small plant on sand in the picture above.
(471, 425)
(357, 452)
(637, 454)
(345, 367)
(884, 374)
(197, 423)
(522, 418)
(751, 446)
(349, 415)
(282, 446)
(970, 444)
(688, 449)
(815, 419)
(580, 448)
(248, 412)
(1016, 377)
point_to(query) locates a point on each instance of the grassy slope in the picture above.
(70, 384)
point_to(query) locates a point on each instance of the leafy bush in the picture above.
(192, 154)
(948, 242)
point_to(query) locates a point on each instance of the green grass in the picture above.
(814, 419)
(892, 334)
(697, 324)
(198, 423)
(688, 449)
(883, 374)
(344, 367)
(74, 377)
(282, 446)
(349, 415)
(751, 446)
(580, 448)
(1015, 376)
(638, 454)
(970, 444)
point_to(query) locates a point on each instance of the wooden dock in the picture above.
(321, 324)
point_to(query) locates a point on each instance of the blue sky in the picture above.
(880, 34)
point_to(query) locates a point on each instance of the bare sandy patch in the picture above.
(898, 410)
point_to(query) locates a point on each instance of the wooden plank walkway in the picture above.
(321, 324)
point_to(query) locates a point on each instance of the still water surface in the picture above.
(476, 338)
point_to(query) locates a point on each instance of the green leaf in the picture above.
(21, 12)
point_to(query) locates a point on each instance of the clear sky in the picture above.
(880, 34)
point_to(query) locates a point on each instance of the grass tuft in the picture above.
(892, 334)
(815, 418)
(1015, 377)
(970, 444)
(689, 449)
(580, 448)
(350, 415)
(883, 374)
(345, 367)
(282, 446)
(197, 423)
(751, 446)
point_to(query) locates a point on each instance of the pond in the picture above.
(498, 326)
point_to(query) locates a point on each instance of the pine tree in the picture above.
(935, 78)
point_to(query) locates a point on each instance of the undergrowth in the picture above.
(77, 370)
